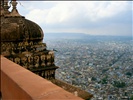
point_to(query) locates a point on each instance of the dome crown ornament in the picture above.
(14, 11)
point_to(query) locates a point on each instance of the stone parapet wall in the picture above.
(18, 83)
(70, 88)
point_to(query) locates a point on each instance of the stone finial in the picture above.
(14, 11)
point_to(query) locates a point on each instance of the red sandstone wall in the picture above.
(81, 93)
(18, 83)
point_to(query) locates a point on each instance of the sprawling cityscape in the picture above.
(95, 62)
(101, 65)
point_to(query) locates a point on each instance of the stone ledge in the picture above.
(72, 89)
(19, 83)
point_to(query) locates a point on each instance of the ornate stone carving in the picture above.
(21, 42)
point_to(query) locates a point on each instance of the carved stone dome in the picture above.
(20, 29)
(15, 28)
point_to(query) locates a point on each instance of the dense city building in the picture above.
(103, 67)
(84, 65)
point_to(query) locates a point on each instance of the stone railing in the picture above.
(18, 83)
(72, 89)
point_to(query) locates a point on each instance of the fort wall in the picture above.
(74, 90)
(18, 83)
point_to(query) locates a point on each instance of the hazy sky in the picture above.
(90, 17)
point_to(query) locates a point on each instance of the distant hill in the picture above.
(65, 35)
(84, 37)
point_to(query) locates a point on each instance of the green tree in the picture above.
(93, 79)
(131, 98)
(104, 80)
(129, 74)
(119, 84)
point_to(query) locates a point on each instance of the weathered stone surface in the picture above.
(20, 29)
(21, 42)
